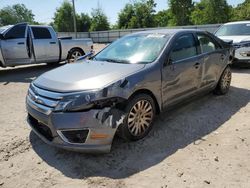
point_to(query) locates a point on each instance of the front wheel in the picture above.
(140, 112)
(224, 82)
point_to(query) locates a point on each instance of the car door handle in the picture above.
(20, 43)
(196, 65)
(52, 42)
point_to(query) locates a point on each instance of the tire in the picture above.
(138, 121)
(74, 54)
(224, 83)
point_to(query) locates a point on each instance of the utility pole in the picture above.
(74, 17)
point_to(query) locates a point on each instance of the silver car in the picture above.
(239, 34)
(24, 44)
(121, 89)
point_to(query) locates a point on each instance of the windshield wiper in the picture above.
(115, 60)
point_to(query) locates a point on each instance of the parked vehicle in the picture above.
(124, 86)
(23, 44)
(239, 34)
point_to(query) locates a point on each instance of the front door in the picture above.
(181, 75)
(15, 46)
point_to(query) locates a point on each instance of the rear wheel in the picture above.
(224, 82)
(140, 112)
(74, 54)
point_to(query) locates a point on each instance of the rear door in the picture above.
(213, 56)
(181, 75)
(46, 45)
(15, 46)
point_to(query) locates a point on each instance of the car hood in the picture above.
(85, 75)
(236, 39)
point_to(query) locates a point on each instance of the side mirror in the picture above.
(1, 36)
(168, 62)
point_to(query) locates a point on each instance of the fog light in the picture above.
(74, 136)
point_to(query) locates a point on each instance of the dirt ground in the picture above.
(205, 143)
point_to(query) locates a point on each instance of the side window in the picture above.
(41, 33)
(184, 47)
(206, 43)
(16, 32)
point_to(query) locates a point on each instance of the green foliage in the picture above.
(162, 18)
(242, 11)
(99, 20)
(17, 13)
(211, 12)
(83, 22)
(180, 11)
(63, 19)
(137, 15)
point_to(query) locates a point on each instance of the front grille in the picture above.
(40, 128)
(44, 97)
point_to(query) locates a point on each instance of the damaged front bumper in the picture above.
(91, 131)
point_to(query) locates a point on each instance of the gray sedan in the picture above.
(121, 89)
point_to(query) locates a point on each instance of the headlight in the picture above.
(93, 99)
(76, 102)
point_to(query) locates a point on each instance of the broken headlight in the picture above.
(78, 101)
(90, 100)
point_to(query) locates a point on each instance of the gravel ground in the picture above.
(204, 143)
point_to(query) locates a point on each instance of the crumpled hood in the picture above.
(236, 39)
(85, 75)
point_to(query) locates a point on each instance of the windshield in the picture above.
(2, 29)
(140, 48)
(234, 29)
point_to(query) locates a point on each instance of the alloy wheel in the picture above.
(140, 117)
(226, 79)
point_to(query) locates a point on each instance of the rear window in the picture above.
(41, 33)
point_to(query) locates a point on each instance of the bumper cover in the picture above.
(90, 120)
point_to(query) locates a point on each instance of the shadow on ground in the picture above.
(172, 131)
(24, 74)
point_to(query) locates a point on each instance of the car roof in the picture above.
(167, 31)
(238, 22)
(39, 25)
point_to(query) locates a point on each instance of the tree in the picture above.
(180, 11)
(211, 12)
(137, 15)
(242, 11)
(15, 14)
(99, 21)
(162, 18)
(63, 18)
(83, 22)
(125, 16)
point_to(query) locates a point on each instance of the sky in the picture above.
(44, 10)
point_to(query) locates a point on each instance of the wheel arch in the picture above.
(150, 93)
(75, 48)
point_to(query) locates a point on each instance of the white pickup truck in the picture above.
(23, 44)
